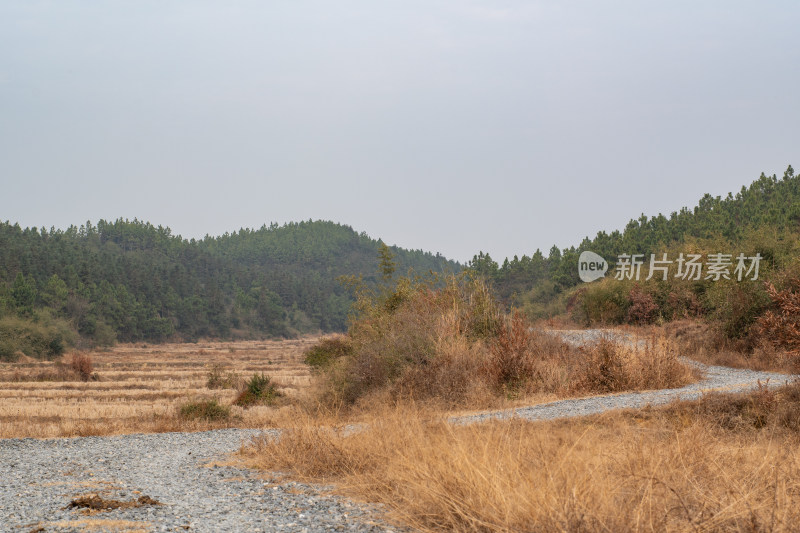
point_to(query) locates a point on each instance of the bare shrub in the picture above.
(780, 325)
(682, 303)
(642, 309)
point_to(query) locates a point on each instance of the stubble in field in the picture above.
(141, 388)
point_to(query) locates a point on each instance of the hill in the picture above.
(132, 281)
(763, 218)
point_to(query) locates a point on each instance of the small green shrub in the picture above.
(204, 410)
(258, 390)
(328, 350)
(736, 306)
(604, 302)
(218, 379)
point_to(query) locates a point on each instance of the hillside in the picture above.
(131, 281)
(762, 218)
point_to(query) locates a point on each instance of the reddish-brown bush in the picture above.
(780, 325)
(82, 365)
(642, 309)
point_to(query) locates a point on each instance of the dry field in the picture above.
(140, 388)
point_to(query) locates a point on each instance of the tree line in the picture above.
(762, 218)
(133, 281)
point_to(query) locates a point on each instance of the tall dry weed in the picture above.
(614, 366)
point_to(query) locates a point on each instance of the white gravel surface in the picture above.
(39, 478)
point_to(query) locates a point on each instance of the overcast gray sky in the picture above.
(451, 126)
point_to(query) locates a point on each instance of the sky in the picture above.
(448, 126)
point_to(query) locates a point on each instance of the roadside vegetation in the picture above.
(445, 341)
(419, 349)
(725, 463)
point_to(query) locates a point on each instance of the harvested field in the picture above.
(140, 388)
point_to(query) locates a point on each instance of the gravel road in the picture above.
(716, 379)
(39, 478)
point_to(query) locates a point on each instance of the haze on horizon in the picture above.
(450, 126)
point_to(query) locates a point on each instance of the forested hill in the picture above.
(767, 210)
(131, 281)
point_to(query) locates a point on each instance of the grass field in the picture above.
(140, 388)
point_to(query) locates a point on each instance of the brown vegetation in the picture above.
(726, 463)
(780, 326)
(81, 364)
(446, 343)
(95, 502)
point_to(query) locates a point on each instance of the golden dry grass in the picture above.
(139, 388)
(98, 524)
(673, 469)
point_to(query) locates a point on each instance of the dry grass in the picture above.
(701, 342)
(682, 468)
(140, 388)
(609, 366)
(97, 524)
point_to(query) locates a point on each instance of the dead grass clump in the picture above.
(612, 366)
(57, 372)
(770, 409)
(95, 502)
(624, 472)
(510, 361)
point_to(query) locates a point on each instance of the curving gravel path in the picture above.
(716, 379)
(39, 478)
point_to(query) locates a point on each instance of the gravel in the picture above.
(183, 471)
(39, 479)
